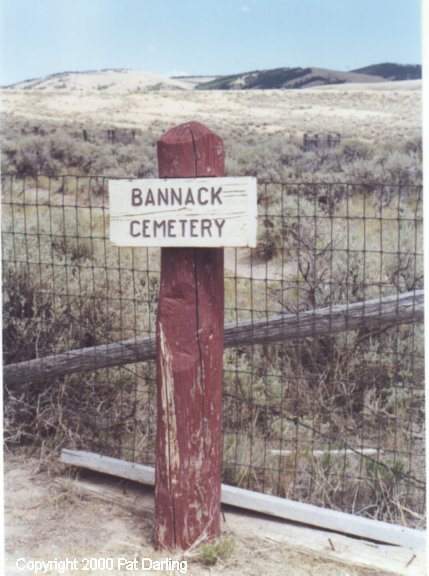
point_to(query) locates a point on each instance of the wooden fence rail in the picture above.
(370, 314)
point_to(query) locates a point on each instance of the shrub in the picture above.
(67, 295)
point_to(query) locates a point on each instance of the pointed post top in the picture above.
(190, 150)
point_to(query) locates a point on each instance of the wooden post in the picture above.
(333, 140)
(311, 142)
(189, 362)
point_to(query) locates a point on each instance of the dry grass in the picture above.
(73, 303)
(364, 112)
(84, 298)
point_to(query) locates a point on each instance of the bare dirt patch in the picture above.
(47, 519)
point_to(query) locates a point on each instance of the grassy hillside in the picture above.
(291, 78)
(267, 79)
(134, 81)
(115, 80)
(391, 71)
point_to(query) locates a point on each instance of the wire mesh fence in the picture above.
(333, 416)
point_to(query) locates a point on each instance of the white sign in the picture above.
(183, 212)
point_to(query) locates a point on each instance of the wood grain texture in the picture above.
(370, 314)
(189, 363)
(190, 150)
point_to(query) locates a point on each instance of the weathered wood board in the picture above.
(406, 307)
(268, 531)
(284, 508)
(183, 212)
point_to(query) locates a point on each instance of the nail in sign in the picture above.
(183, 212)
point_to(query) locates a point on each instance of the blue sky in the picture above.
(40, 37)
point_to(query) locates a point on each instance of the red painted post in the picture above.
(189, 362)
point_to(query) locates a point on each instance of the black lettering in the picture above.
(216, 195)
(145, 226)
(176, 196)
(206, 226)
(159, 226)
(171, 229)
(219, 224)
(189, 197)
(183, 228)
(149, 198)
(162, 196)
(200, 191)
(136, 197)
(132, 231)
(193, 224)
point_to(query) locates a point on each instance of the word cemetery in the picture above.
(183, 212)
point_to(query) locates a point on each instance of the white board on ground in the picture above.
(194, 212)
(265, 503)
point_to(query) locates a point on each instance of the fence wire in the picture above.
(335, 419)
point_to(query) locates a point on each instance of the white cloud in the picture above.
(244, 8)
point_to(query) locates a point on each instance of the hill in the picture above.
(110, 80)
(391, 71)
(123, 81)
(291, 78)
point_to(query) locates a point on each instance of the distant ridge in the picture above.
(120, 80)
(391, 71)
(297, 78)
